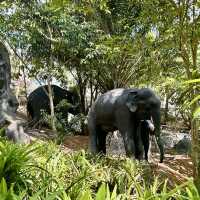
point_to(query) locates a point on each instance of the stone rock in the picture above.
(183, 146)
(8, 102)
(115, 144)
(180, 142)
(170, 138)
(15, 132)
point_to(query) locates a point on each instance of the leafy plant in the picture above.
(8, 193)
(15, 161)
(44, 171)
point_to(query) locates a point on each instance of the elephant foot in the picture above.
(161, 160)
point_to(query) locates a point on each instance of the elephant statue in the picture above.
(123, 109)
(38, 100)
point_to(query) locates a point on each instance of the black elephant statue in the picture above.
(38, 101)
(123, 109)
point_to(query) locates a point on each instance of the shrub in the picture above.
(44, 171)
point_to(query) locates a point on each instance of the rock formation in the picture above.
(8, 101)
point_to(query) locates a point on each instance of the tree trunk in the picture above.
(194, 43)
(189, 56)
(82, 90)
(49, 83)
(195, 147)
(25, 86)
(50, 93)
(166, 109)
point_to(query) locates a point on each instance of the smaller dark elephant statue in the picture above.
(38, 100)
(145, 129)
(123, 109)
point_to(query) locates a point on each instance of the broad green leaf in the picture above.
(85, 195)
(114, 193)
(101, 194)
(194, 100)
(196, 114)
(3, 186)
(108, 192)
(192, 81)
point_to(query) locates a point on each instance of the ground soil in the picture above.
(177, 168)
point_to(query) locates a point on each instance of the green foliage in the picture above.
(2, 132)
(194, 83)
(15, 160)
(8, 193)
(105, 44)
(114, 63)
(66, 123)
(48, 173)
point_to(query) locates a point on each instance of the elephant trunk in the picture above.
(156, 121)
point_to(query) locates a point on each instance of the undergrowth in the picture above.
(43, 171)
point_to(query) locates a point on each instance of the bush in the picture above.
(15, 163)
(45, 171)
(2, 132)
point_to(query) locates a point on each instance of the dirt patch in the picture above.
(177, 168)
(76, 142)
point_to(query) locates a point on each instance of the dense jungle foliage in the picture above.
(93, 46)
(45, 171)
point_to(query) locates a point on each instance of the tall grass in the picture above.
(45, 171)
(16, 161)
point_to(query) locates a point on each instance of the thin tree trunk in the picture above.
(190, 67)
(195, 148)
(195, 121)
(91, 94)
(50, 93)
(25, 86)
(49, 83)
(166, 109)
(81, 86)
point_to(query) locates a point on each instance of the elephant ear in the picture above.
(131, 101)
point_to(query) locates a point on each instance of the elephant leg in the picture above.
(145, 139)
(128, 143)
(101, 140)
(146, 149)
(161, 147)
(138, 142)
(93, 137)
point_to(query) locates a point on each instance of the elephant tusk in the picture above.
(151, 125)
